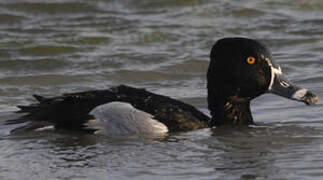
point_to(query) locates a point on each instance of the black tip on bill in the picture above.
(309, 98)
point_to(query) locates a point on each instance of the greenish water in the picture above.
(51, 47)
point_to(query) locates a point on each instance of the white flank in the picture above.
(299, 94)
(119, 118)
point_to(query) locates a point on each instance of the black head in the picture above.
(240, 70)
(239, 67)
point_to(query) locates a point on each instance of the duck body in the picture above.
(74, 111)
(240, 70)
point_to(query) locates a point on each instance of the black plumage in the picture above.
(71, 111)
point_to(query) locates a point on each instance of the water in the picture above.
(51, 47)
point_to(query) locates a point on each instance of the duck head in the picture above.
(240, 70)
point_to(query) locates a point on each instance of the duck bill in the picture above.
(279, 85)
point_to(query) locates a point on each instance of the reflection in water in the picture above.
(262, 152)
(249, 152)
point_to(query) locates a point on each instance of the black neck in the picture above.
(232, 110)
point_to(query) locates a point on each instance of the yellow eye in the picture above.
(251, 60)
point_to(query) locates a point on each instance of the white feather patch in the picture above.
(120, 118)
(45, 128)
(274, 71)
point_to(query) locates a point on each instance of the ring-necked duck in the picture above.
(240, 70)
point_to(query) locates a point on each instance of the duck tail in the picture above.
(26, 109)
(15, 121)
(67, 111)
(40, 98)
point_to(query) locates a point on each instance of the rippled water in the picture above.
(50, 47)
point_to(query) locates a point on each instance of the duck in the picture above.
(240, 69)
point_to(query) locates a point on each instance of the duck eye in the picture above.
(251, 60)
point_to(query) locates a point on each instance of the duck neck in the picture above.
(232, 110)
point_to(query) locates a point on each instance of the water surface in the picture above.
(51, 47)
